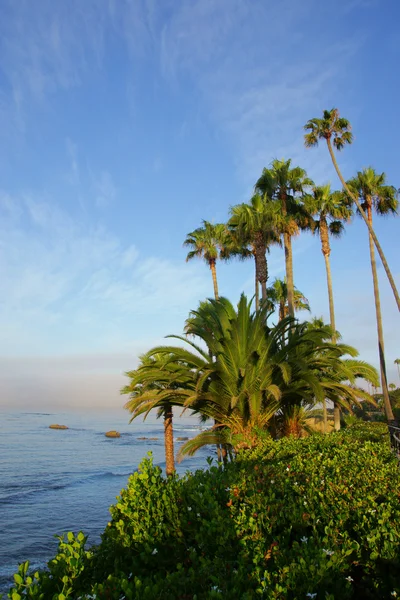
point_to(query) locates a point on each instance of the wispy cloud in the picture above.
(259, 94)
(55, 269)
(105, 189)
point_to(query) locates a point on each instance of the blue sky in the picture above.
(124, 123)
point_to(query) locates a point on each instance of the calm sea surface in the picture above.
(54, 481)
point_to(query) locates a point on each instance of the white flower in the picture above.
(198, 514)
(394, 594)
(272, 481)
(305, 503)
(287, 469)
(228, 489)
(328, 552)
(295, 483)
(215, 588)
(311, 595)
(189, 508)
(349, 578)
(154, 551)
(304, 539)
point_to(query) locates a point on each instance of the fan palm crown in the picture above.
(209, 242)
(254, 224)
(284, 185)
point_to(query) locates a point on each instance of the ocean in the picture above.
(54, 481)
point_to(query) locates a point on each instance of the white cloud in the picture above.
(67, 283)
(105, 189)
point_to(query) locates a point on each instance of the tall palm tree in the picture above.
(277, 295)
(397, 362)
(254, 224)
(337, 131)
(157, 383)
(283, 185)
(208, 242)
(372, 193)
(328, 210)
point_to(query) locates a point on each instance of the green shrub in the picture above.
(316, 517)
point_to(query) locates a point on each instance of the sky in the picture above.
(124, 123)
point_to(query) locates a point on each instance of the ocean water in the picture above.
(54, 481)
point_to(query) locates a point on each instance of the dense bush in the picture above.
(309, 518)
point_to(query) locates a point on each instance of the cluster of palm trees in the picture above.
(286, 201)
(248, 377)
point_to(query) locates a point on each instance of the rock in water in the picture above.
(182, 439)
(113, 434)
(56, 426)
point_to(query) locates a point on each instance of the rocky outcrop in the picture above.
(113, 434)
(56, 426)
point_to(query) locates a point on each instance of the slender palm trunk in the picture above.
(214, 276)
(326, 251)
(282, 311)
(257, 290)
(287, 240)
(261, 262)
(369, 225)
(385, 392)
(169, 441)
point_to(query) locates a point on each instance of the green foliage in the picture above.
(65, 573)
(287, 520)
(247, 373)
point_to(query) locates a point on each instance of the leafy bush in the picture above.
(298, 518)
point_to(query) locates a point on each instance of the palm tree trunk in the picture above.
(261, 263)
(369, 225)
(385, 392)
(214, 277)
(169, 441)
(281, 309)
(326, 251)
(257, 290)
(325, 415)
(287, 240)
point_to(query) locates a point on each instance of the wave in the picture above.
(15, 497)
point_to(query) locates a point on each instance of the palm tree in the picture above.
(254, 224)
(157, 383)
(397, 362)
(335, 129)
(371, 192)
(392, 387)
(329, 211)
(250, 371)
(283, 185)
(208, 242)
(277, 295)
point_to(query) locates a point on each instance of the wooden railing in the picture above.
(394, 433)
